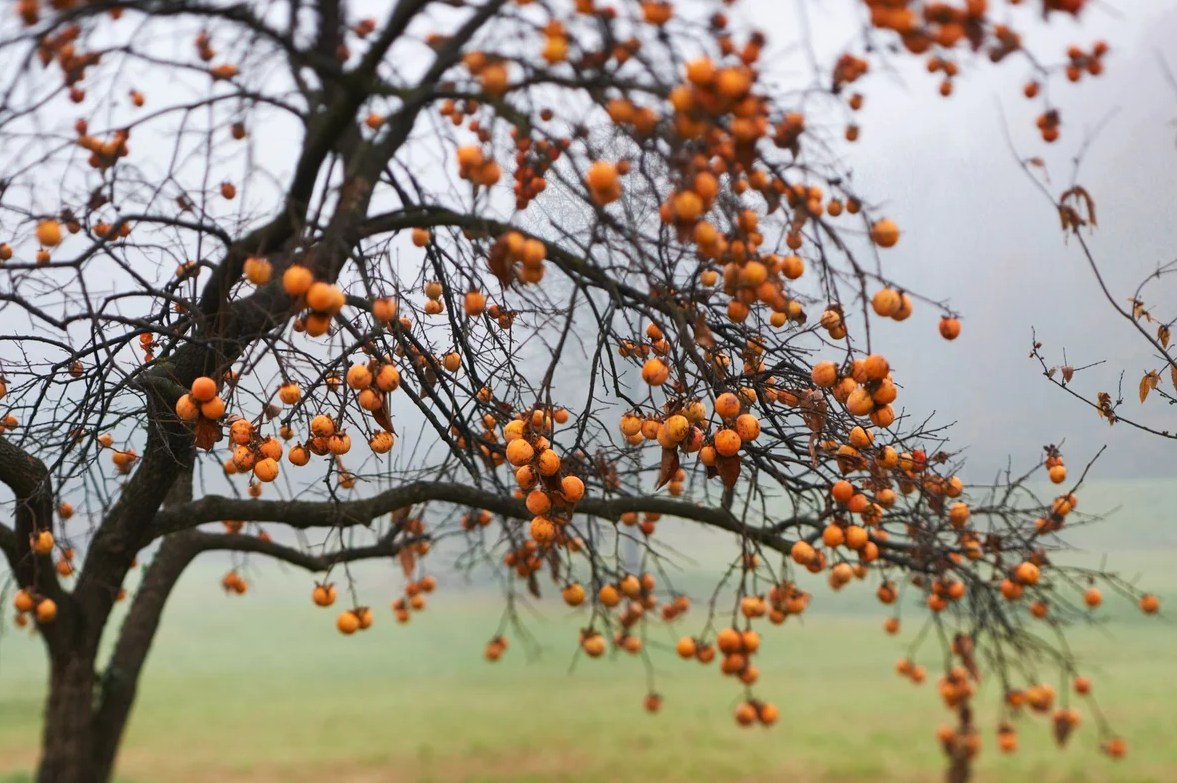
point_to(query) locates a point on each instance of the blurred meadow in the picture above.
(263, 689)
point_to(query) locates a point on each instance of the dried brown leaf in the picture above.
(669, 467)
(1079, 192)
(499, 261)
(207, 434)
(551, 483)
(97, 200)
(729, 469)
(964, 648)
(1106, 409)
(554, 562)
(1163, 335)
(382, 416)
(1148, 383)
(408, 561)
(774, 201)
(1062, 729)
(1068, 373)
(703, 334)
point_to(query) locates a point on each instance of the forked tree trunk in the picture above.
(84, 727)
(68, 740)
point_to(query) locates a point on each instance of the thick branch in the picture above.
(208, 542)
(433, 216)
(118, 540)
(330, 28)
(307, 514)
(8, 545)
(28, 479)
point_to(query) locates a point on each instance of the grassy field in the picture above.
(262, 689)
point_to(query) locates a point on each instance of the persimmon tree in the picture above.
(606, 258)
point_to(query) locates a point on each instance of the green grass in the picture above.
(263, 689)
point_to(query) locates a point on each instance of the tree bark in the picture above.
(67, 744)
(120, 682)
(83, 732)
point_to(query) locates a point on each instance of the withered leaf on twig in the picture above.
(1173, 375)
(1106, 409)
(963, 645)
(207, 434)
(551, 483)
(381, 416)
(669, 467)
(1148, 383)
(499, 261)
(1163, 335)
(729, 469)
(1138, 310)
(408, 561)
(813, 408)
(746, 154)
(1062, 728)
(1069, 215)
(1068, 373)
(703, 334)
(554, 562)
(773, 200)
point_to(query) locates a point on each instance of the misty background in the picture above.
(980, 234)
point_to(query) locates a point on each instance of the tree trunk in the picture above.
(120, 683)
(67, 745)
